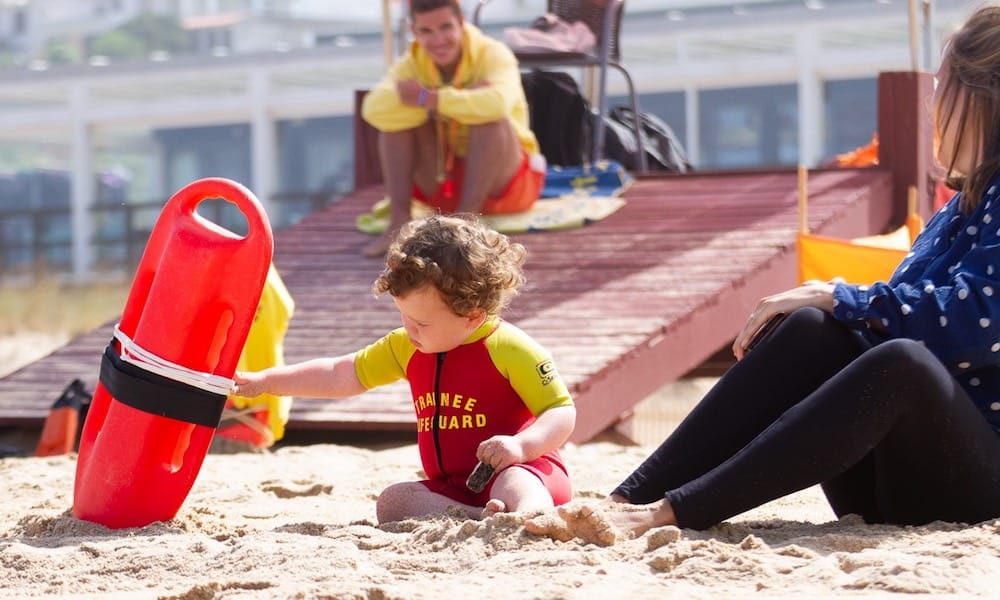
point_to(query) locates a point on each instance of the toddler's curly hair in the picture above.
(472, 266)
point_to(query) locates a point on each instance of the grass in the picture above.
(55, 308)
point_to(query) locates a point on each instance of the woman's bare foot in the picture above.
(581, 521)
(637, 520)
(603, 526)
(493, 507)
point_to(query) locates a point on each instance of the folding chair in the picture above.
(603, 17)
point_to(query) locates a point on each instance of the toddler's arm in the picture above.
(316, 378)
(550, 430)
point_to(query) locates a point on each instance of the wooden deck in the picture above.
(626, 305)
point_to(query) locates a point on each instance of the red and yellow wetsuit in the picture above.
(495, 383)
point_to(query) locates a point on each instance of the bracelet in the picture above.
(422, 97)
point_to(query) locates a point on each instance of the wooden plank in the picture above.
(625, 305)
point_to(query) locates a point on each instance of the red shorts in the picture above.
(518, 196)
(550, 472)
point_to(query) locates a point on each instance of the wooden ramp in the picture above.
(626, 305)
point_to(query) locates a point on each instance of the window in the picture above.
(316, 164)
(851, 109)
(749, 127)
(20, 22)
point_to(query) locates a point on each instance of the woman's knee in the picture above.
(808, 317)
(810, 324)
(812, 334)
(905, 356)
(909, 365)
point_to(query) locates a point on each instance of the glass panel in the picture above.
(35, 223)
(130, 191)
(851, 107)
(315, 165)
(749, 127)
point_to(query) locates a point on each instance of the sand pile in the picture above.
(300, 523)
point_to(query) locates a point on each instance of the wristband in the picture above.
(422, 97)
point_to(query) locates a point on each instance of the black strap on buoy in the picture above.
(158, 395)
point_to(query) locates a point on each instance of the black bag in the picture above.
(664, 151)
(559, 115)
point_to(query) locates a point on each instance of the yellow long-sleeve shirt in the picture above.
(483, 59)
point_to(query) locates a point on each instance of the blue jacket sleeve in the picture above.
(945, 293)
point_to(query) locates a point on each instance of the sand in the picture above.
(299, 522)
(18, 350)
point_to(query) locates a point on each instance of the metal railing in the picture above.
(39, 242)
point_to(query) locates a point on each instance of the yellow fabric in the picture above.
(265, 348)
(513, 353)
(861, 260)
(483, 59)
(549, 214)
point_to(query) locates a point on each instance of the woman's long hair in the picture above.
(972, 89)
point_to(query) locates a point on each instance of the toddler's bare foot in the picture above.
(582, 521)
(494, 507)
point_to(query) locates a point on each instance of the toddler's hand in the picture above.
(501, 451)
(248, 384)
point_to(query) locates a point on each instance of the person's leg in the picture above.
(894, 437)
(941, 458)
(935, 456)
(493, 157)
(808, 348)
(412, 499)
(853, 491)
(517, 490)
(408, 158)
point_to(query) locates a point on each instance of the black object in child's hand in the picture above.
(765, 330)
(479, 477)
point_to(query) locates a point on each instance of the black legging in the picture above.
(886, 430)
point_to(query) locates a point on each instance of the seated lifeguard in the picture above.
(453, 123)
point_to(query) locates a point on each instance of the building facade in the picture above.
(89, 153)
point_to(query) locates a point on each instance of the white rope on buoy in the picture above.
(246, 418)
(135, 354)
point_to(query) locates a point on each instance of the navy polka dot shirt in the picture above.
(946, 294)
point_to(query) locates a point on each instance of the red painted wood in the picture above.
(625, 305)
(906, 134)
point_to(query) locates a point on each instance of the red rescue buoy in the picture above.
(191, 303)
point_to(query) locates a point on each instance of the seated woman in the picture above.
(888, 395)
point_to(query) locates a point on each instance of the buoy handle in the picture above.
(190, 196)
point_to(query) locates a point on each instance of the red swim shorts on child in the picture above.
(547, 469)
(519, 195)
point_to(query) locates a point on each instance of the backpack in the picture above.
(664, 151)
(559, 116)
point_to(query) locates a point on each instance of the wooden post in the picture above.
(386, 34)
(367, 168)
(914, 38)
(906, 135)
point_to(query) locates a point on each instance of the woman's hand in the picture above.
(813, 293)
(501, 451)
